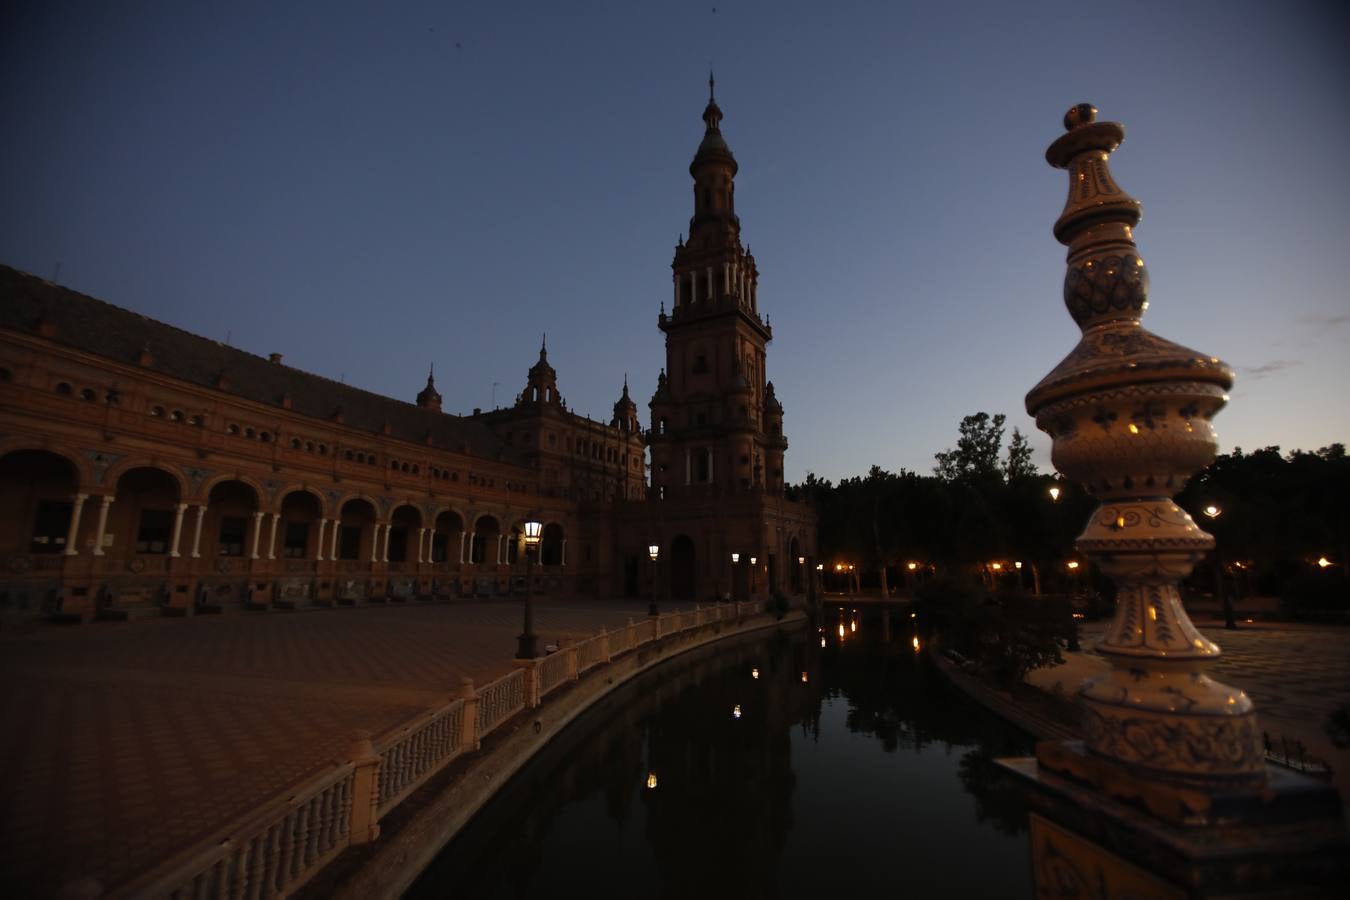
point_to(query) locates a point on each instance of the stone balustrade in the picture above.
(275, 849)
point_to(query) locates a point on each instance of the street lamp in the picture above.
(1323, 562)
(1213, 512)
(1054, 494)
(527, 645)
(653, 550)
(735, 561)
(754, 563)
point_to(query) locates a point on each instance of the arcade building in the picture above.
(145, 470)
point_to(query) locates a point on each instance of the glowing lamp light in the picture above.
(801, 560)
(736, 711)
(1323, 562)
(853, 626)
(804, 678)
(912, 566)
(651, 781)
(1017, 564)
(735, 558)
(822, 641)
(1212, 511)
(532, 532)
(841, 629)
(1054, 494)
(915, 642)
(1073, 564)
(754, 673)
(653, 550)
(996, 566)
(754, 561)
(820, 567)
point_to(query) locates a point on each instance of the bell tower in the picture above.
(715, 420)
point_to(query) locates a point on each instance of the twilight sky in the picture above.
(370, 188)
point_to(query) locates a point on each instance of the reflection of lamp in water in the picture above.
(651, 781)
(804, 678)
(822, 641)
(754, 673)
(916, 643)
(736, 711)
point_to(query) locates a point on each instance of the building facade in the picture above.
(146, 470)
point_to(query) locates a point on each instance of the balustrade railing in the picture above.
(417, 751)
(276, 849)
(270, 853)
(499, 701)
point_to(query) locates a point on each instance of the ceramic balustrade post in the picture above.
(1129, 416)
(469, 730)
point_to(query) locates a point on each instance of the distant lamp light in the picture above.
(1073, 564)
(653, 550)
(735, 558)
(997, 567)
(532, 532)
(801, 560)
(1323, 562)
(651, 781)
(736, 711)
(820, 567)
(1018, 564)
(1212, 511)
(912, 566)
(804, 678)
(822, 641)
(915, 642)
(754, 673)
(1054, 494)
(754, 561)
(841, 629)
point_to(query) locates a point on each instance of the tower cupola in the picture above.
(429, 397)
(541, 388)
(625, 411)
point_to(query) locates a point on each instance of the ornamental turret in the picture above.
(625, 412)
(541, 387)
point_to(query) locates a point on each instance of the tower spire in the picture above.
(711, 83)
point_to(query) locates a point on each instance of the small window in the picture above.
(297, 539)
(88, 395)
(50, 526)
(176, 415)
(157, 412)
(64, 389)
(309, 446)
(6, 374)
(198, 421)
(232, 530)
(414, 469)
(393, 464)
(323, 449)
(265, 436)
(360, 457)
(295, 443)
(232, 428)
(152, 532)
(371, 459)
(249, 433)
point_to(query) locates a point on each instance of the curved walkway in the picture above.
(121, 744)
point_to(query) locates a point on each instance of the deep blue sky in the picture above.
(369, 188)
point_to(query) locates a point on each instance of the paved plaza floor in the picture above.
(1295, 674)
(123, 743)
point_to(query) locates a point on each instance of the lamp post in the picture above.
(654, 551)
(527, 645)
(1212, 512)
(754, 568)
(801, 573)
(735, 561)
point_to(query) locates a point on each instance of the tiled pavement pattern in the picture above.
(123, 743)
(1295, 674)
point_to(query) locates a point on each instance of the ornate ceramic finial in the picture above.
(1129, 414)
(710, 87)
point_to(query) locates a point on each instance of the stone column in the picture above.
(375, 543)
(421, 534)
(384, 545)
(257, 533)
(177, 529)
(462, 536)
(197, 532)
(1129, 414)
(102, 523)
(333, 546)
(499, 549)
(272, 537)
(318, 544)
(73, 532)
(563, 560)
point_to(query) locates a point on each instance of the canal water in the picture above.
(831, 760)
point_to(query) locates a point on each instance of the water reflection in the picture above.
(848, 766)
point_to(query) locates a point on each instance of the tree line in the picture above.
(985, 507)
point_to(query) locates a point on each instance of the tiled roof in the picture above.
(99, 328)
